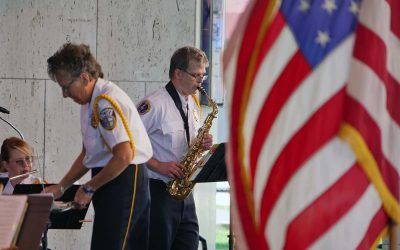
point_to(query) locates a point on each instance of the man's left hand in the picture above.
(207, 142)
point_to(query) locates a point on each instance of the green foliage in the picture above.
(221, 239)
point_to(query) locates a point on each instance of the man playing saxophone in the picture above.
(171, 116)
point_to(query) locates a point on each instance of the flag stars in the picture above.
(354, 7)
(329, 6)
(322, 38)
(304, 5)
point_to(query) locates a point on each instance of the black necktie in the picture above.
(175, 96)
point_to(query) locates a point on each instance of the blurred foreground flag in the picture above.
(314, 114)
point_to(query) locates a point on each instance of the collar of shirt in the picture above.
(88, 108)
(96, 90)
(185, 102)
(8, 189)
(3, 174)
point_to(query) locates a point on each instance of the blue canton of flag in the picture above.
(320, 25)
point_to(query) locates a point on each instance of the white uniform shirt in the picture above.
(97, 153)
(9, 189)
(165, 127)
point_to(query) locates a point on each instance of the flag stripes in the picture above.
(349, 231)
(319, 213)
(239, 98)
(372, 103)
(291, 158)
(376, 230)
(269, 70)
(297, 103)
(300, 106)
(370, 131)
(294, 199)
(290, 78)
(377, 61)
(263, 82)
(395, 21)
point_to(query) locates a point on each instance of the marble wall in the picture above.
(132, 40)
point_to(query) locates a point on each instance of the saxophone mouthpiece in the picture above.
(202, 91)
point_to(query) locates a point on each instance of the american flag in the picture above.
(314, 113)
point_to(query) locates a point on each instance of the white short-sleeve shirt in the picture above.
(165, 127)
(110, 130)
(9, 188)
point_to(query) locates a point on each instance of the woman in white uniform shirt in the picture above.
(114, 142)
(16, 158)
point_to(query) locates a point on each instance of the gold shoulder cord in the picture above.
(128, 131)
(121, 114)
(196, 100)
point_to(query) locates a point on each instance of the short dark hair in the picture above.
(73, 59)
(182, 56)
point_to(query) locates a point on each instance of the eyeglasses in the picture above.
(20, 162)
(198, 77)
(66, 88)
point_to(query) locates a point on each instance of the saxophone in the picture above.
(181, 188)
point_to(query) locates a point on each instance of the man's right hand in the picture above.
(171, 169)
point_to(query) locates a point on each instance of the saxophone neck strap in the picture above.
(177, 100)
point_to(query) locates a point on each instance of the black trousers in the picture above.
(173, 223)
(112, 206)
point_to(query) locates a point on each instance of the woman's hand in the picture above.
(82, 198)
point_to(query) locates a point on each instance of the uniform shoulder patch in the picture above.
(144, 107)
(108, 119)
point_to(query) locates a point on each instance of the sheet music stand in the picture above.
(70, 219)
(35, 221)
(214, 170)
(213, 167)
